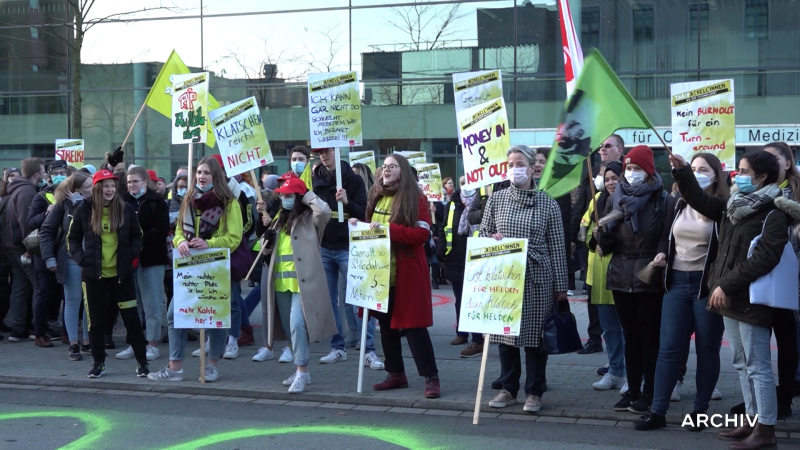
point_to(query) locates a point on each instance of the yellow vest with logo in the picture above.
(285, 271)
(382, 214)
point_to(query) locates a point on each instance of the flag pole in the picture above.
(594, 192)
(136, 119)
(669, 150)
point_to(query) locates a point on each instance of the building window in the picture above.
(699, 21)
(590, 27)
(756, 19)
(644, 23)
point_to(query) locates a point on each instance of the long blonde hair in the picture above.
(116, 210)
(73, 183)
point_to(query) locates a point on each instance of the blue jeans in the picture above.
(297, 325)
(73, 296)
(681, 314)
(335, 263)
(753, 361)
(615, 340)
(250, 302)
(150, 292)
(797, 376)
(236, 314)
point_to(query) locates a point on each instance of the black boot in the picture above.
(435, 276)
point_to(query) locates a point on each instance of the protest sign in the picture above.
(703, 120)
(71, 151)
(368, 270)
(366, 157)
(475, 88)
(189, 108)
(334, 109)
(494, 280)
(429, 178)
(242, 140)
(202, 288)
(483, 133)
(414, 157)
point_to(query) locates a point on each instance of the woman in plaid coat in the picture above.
(521, 211)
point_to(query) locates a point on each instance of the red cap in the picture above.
(293, 185)
(218, 157)
(101, 175)
(642, 156)
(317, 150)
(287, 175)
(153, 175)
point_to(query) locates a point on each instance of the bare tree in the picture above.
(324, 61)
(107, 111)
(427, 26)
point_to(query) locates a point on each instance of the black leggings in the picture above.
(110, 293)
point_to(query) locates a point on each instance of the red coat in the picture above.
(412, 300)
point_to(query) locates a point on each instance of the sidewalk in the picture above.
(569, 377)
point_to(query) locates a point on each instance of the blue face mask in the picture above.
(208, 188)
(41, 183)
(141, 192)
(287, 203)
(298, 167)
(745, 184)
(56, 179)
(181, 192)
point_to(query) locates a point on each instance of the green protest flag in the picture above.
(599, 106)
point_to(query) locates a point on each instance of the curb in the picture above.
(362, 400)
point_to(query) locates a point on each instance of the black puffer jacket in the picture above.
(52, 237)
(681, 205)
(454, 261)
(337, 235)
(153, 214)
(36, 216)
(86, 247)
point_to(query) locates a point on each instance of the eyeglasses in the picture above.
(58, 172)
(389, 167)
(609, 145)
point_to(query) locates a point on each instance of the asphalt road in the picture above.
(32, 420)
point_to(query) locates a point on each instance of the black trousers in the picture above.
(785, 329)
(419, 341)
(50, 294)
(594, 329)
(112, 293)
(640, 316)
(5, 289)
(511, 369)
(458, 287)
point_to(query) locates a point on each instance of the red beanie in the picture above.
(642, 156)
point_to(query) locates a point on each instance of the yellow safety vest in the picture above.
(50, 198)
(285, 270)
(448, 229)
(382, 214)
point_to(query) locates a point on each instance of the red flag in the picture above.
(573, 55)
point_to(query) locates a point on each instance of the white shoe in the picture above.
(196, 353)
(152, 353)
(570, 293)
(126, 354)
(264, 354)
(299, 383)
(286, 356)
(166, 375)
(290, 380)
(212, 374)
(231, 351)
(624, 389)
(676, 392)
(716, 395)
(372, 361)
(334, 356)
(608, 382)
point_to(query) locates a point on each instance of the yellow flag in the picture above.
(306, 176)
(160, 96)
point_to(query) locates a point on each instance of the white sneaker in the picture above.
(290, 380)
(196, 353)
(231, 351)
(334, 356)
(624, 389)
(608, 382)
(286, 356)
(676, 392)
(212, 374)
(152, 353)
(570, 293)
(299, 383)
(166, 375)
(126, 354)
(716, 395)
(372, 361)
(264, 354)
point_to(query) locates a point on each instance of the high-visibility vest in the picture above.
(285, 270)
(51, 199)
(448, 229)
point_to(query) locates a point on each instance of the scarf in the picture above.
(379, 190)
(463, 222)
(742, 205)
(629, 200)
(327, 175)
(211, 209)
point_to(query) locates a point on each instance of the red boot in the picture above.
(393, 381)
(246, 337)
(432, 389)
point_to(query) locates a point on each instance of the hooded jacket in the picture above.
(153, 215)
(337, 234)
(52, 237)
(21, 192)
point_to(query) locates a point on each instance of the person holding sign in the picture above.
(105, 239)
(522, 211)
(296, 282)
(397, 202)
(210, 217)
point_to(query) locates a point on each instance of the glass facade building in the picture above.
(405, 53)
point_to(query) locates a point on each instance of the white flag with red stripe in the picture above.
(573, 55)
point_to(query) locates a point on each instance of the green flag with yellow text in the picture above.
(599, 106)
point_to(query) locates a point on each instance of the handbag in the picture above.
(241, 260)
(777, 289)
(31, 243)
(560, 334)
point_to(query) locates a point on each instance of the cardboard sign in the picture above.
(71, 151)
(494, 280)
(366, 157)
(414, 157)
(429, 178)
(475, 88)
(242, 139)
(484, 135)
(202, 288)
(334, 109)
(704, 121)
(189, 108)
(369, 268)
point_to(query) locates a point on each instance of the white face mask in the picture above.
(634, 178)
(703, 180)
(599, 183)
(519, 175)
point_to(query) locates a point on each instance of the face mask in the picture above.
(57, 179)
(40, 184)
(76, 198)
(745, 184)
(140, 193)
(468, 192)
(634, 178)
(208, 188)
(598, 182)
(298, 167)
(287, 203)
(703, 180)
(181, 192)
(519, 175)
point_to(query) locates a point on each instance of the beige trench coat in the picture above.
(306, 234)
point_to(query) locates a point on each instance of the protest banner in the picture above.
(202, 288)
(475, 88)
(703, 120)
(189, 108)
(71, 151)
(366, 157)
(414, 157)
(429, 178)
(242, 139)
(484, 138)
(334, 109)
